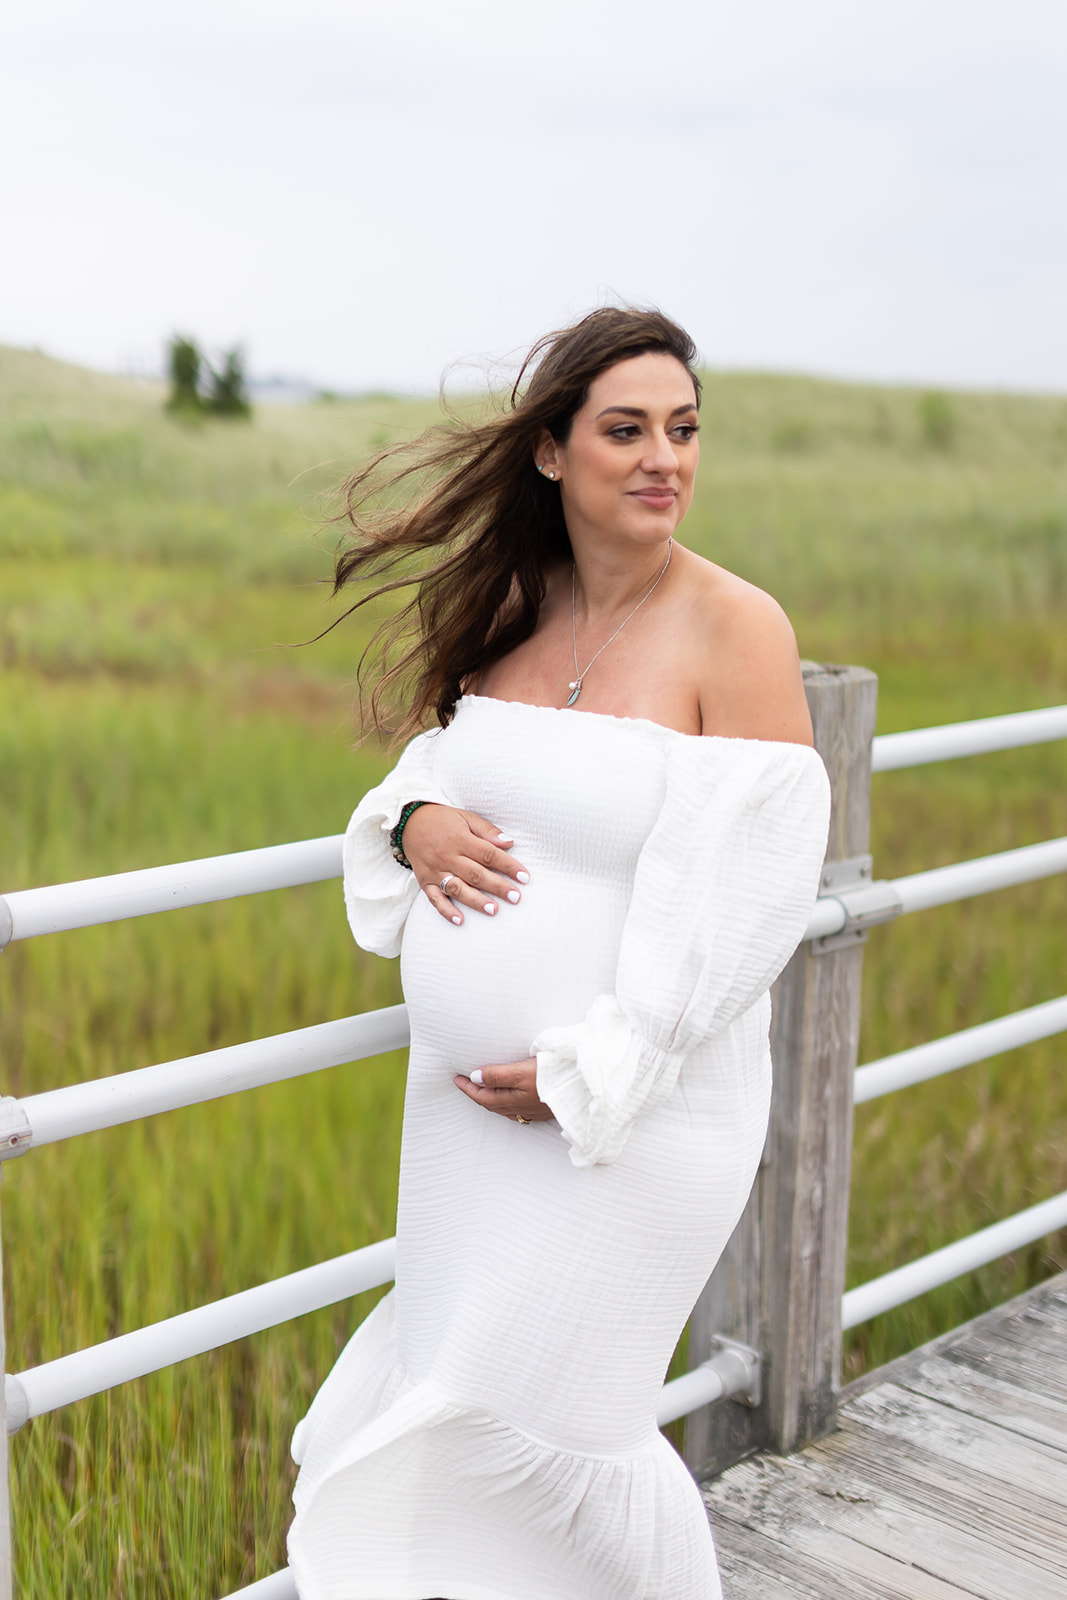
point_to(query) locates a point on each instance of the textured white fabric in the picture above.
(379, 892)
(489, 1432)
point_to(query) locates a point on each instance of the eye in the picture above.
(687, 430)
(624, 431)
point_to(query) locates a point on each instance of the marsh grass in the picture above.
(153, 577)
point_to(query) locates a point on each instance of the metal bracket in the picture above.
(865, 901)
(740, 1367)
(7, 924)
(16, 1135)
(16, 1403)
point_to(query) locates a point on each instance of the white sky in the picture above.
(364, 193)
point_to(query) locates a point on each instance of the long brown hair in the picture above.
(498, 524)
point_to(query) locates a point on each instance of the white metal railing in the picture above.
(81, 1108)
(890, 751)
(923, 1061)
(59, 908)
(942, 1266)
(126, 1096)
(192, 1333)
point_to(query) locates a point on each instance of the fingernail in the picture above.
(490, 909)
(505, 838)
(514, 896)
(458, 921)
(523, 877)
(476, 1076)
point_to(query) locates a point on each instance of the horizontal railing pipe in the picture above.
(125, 1096)
(279, 1586)
(942, 1266)
(942, 885)
(133, 1355)
(62, 906)
(923, 1061)
(890, 751)
(69, 1378)
(732, 1370)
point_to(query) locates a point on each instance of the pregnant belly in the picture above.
(479, 993)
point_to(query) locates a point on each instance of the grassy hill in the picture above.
(152, 578)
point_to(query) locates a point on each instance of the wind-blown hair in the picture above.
(495, 522)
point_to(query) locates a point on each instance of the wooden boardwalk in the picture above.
(946, 1479)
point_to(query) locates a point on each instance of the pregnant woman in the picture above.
(592, 866)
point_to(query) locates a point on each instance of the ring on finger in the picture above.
(445, 881)
(520, 1118)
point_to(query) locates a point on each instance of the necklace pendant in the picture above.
(576, 688)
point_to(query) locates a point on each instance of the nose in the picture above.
(660, 456)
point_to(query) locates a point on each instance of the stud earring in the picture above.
(552, 475)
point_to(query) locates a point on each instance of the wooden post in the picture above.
(779, 1283)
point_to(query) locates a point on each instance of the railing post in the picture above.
(778, 1286)
(5, 1507)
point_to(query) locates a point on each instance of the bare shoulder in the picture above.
(746, 659)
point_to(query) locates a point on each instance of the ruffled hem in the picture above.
(404, 1493)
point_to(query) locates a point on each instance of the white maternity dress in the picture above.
(488, 1433)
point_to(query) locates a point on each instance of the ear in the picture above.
(546, 455)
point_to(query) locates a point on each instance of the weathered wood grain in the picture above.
(779, 1284)
(946, 1477)
(905, 1419)
(982, 1391)
(757, 1568)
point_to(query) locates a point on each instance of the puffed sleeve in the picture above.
(724, 887)
(379, 892)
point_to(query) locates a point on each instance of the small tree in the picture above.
(937, 420)
(228, 396)
(183, 361)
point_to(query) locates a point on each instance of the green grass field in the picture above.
(152, 578)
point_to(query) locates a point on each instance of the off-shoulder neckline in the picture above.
(708, 739)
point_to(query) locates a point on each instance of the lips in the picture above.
(660, 499)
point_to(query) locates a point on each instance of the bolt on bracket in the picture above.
(866, 902)
(16, 1135)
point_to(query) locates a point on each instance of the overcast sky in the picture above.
(365, 194)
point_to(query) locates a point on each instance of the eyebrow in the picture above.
(636, 411)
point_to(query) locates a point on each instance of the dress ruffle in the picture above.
(493, 1499)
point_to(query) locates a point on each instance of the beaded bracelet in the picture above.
(396, 834)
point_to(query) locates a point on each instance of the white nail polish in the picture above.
(514, 896)
(476, 1076)
(458, 921)
(505, 838)
(523, 877)
(490, 910)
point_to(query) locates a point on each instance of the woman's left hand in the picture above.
(510, 1091)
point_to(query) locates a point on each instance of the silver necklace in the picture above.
(579, 677)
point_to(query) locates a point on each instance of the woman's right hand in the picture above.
(460, 847)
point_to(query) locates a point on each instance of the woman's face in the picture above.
(628, 467)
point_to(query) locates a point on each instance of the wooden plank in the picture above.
(1029, 1370)
(1015, 1520)
(974, 1445)
(1048, 1299)
(1039, 1336)
(942, 1535)
(783, 1529)
(942, 1551)
(757, 1568)
(980, 1390)
(779, 1284)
